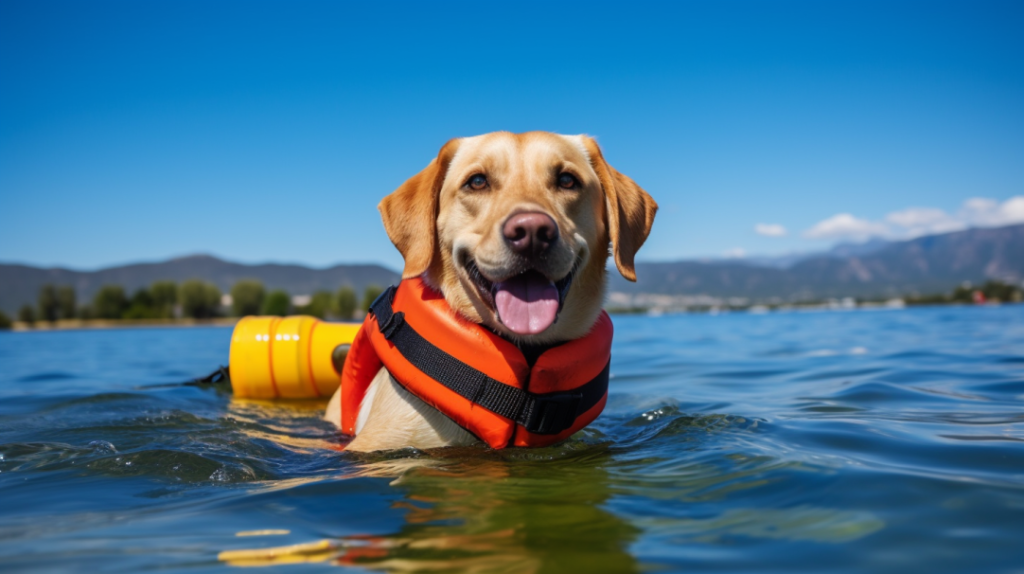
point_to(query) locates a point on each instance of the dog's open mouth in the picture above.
(527, 303)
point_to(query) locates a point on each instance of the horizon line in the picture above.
(697, 259)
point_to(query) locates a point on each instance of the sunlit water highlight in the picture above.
(848, 441)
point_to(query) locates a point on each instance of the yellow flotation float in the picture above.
(297, 357)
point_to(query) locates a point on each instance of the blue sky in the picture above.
(268, 131)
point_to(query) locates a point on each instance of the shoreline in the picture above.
(82, 324)
(92, 324)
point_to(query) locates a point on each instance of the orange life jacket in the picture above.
(478, 379)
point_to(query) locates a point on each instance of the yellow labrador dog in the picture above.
(494, 223)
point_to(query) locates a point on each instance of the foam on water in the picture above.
(889, 441)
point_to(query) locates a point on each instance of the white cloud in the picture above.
(770, 229)
(845, 226)
(736, 253)
(982, 212)
(917, 221)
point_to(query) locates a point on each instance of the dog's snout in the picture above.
(530, 233)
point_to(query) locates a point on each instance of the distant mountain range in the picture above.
(19, 284)
(931, 264)
(790, 259)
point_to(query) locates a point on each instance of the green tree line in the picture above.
(992, 291)
(249, 297)
(192, 299)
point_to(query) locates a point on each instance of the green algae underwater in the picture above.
(838, 441)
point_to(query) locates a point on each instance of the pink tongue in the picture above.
(527, 304)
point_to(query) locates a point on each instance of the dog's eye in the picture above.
(567, 181)
(477, 182)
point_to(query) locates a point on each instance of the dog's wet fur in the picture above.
(453, 228)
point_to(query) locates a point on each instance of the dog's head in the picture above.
(514, 230)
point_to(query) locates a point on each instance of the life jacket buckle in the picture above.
(387, 320)
(392, 324)
(552, 413)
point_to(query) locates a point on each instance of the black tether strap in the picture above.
(221, 375)
(549, 413)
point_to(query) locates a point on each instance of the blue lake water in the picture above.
(889, 441)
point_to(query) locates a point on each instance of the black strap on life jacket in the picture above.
(549, 413)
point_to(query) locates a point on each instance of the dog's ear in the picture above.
(410, 213)
(629, 210)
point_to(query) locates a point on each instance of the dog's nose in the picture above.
(530, 233)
